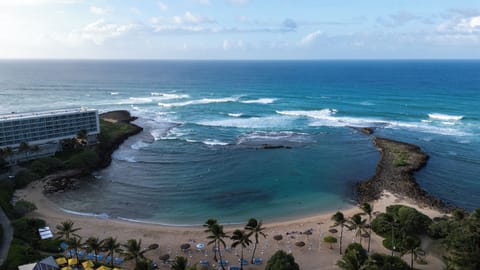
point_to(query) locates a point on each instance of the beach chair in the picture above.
(118, 261)
(243, 261)
(91, 256)
(234, 267)
(203, 262)
(81, 254)
(257, 261)
(223, 262)
(63, 246)
(100, 257)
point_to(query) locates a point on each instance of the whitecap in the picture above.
(319, 114)
(214, 142)
(281, 137)
(235, 114)
(114, 93)
(445, 117)
(100, 215)
(259, 101)
(136, 100)
(326, 117)
(199, 102)
(252, 122)
(139, 145)
(169, 95)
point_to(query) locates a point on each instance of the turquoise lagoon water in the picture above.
(199, 155)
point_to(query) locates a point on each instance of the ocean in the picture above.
(205, 122)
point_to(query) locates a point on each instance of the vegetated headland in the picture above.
(394, 173)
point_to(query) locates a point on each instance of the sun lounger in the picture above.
(234, 267)
(243, 261)
(257, 261)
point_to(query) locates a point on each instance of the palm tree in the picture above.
(7, 153)
(24, 148)
(243, 239)
(216, 236)
(357, 224)
(75, 243)
(94, 244)
(410, 245)
(368, 210)
(133, 250)
(209, 224)
(66, 229)
(351, 261)
(110, 244)
(180, 263)
(255, 228)
(339, 220)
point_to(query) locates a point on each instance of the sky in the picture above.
(240, 29)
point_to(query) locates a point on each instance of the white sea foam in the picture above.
(158, 134)
(198, 102)
(123, 157)
(427, 128)
(252, 122)
(326, 117)
(114, 93)
(235, 114)
(318, 114)
(261, 137)
(139, 145)
(445, 117)
(259, 101)
(100, 215)
(214, 142)
(169, 95)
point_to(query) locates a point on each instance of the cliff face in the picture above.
(394, 173)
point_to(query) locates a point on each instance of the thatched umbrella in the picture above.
(185, 246)
(153, 246)
(278, 237)
(164, 257)
(300, 244)
(307, 232)
(333, 231)
(365, 235)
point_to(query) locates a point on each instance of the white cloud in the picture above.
(233, 44)
(239, 2)
(14, 3)
(189, 18)
(135, 10)
(162, 6)
(98, 10)
(203, 2)
(98, 32)
(311, 38)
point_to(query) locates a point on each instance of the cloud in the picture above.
(162, 6)
(99, 32)
(239, 2)
(14, 3)
(189, 18)
(460, 22)
(98, 10)
(398, 19)
(311, 38)
(135, 10)
(235, 44)
(289, 23)
(203, 2)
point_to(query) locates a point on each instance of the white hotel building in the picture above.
(46, 129)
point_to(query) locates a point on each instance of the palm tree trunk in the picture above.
(341, 236)
(111, 259)
(369, 237)
(411, 260)
(241, 257)
(254, 249)
(221, 260)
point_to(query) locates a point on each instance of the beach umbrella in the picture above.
(61, 260)
(67, 268)
(185, 246)
(333, 231)
(307, 232)
(87, 264)
(300, 244)
(165, 257)
(116, 268)
(103, 267)
(278, 237)
(365, 235)
(88, 268)
(72, 261)
(153, 246)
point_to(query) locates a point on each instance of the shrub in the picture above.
(22, 207)
(386, 262)
(19, 254)
(49, 245)
(6, 194)
(23, 178)
(84, 160)
(282, 261)
(26, 229)
(46, 165)
(330, 240)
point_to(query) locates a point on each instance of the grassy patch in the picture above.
(401, 158)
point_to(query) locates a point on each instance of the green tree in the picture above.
(339, 220)
(180, 263)
(282, 261)
(241, 238)
(66, 230)
(355, 258)
(255, 228)
(368, 211)
(111, 245)
(75, 243)
(217, 235)
(208, 225)
(133, 250)
(95, 245)
(357, 224)
(24, 147)
(23, 207)
(385, 262)
(330, 240)
(411, 245)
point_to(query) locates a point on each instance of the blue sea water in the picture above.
(205, 121)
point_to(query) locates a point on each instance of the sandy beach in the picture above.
(314, 255)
